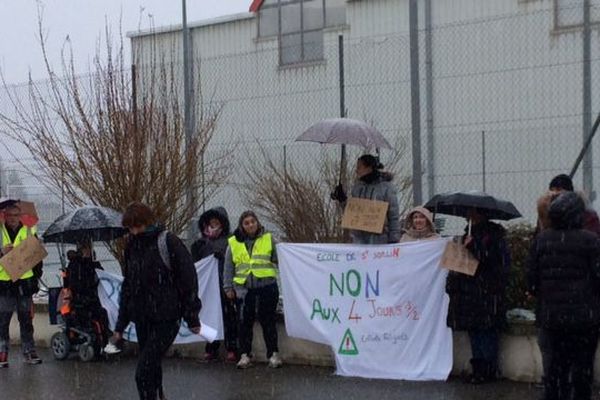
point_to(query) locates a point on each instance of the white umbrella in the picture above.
(345, 131)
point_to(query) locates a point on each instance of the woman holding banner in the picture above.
(214, 230)
(418, 226)
(374, 184)
(250, 277)
(477, 302)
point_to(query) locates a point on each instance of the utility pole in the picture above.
(189, 117)
(588, 183)
(483, 159)
(415, 102)
(342, 86)
(429, 99)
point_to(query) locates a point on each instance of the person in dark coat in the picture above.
(214, 229)
(559, 184)
(81, 279)
(155, 296)
(563, 273)
(477, 303)
(563, 183)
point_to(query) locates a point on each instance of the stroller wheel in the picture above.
(86, 352)
(60, 345)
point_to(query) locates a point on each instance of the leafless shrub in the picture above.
(296, 199)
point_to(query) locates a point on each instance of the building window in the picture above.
(568, 14)
(298, 25)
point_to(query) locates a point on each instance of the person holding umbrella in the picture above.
(477, 303)
(374, 184)
(81, 280)
(17, 296)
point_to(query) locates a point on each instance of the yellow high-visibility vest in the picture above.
(23, 233)
(259, 264)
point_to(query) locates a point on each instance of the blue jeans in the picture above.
(23, 305)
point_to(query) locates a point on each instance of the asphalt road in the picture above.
(188, 379)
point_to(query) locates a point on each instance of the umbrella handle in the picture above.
(469, 230)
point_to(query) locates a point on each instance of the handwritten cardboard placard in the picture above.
(365, 215)
(457, 258)
(23, 257)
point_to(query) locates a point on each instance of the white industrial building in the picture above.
(501, 83)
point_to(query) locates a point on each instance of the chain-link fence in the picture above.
(506, 98)
(501, 94)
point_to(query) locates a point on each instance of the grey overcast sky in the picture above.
(83, 21)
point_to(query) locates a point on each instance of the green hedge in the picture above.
(519, 239)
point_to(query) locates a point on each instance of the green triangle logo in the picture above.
(348, 345)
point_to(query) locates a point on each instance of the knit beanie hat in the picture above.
(561, 181)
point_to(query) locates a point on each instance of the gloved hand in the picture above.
(338, 194)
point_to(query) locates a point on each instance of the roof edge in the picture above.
(255, 6)
(198, 24)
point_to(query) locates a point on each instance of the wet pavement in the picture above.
(188, 379)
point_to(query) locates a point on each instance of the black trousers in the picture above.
(571, 364)
(265, 300)
(154, 339)
(230, 325)
(484, 347)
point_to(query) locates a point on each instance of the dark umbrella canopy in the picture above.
(459, 203)
(98, 224)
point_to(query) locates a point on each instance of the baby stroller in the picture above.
(85, 327)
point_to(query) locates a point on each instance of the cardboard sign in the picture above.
(457, 258)
(365, 215)
(23, 257)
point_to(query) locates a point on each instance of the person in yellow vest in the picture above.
(250, 277)
(17, 296)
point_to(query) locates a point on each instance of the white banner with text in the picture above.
(382, 309)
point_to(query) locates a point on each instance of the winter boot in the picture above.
(479, 367)
(491, 371)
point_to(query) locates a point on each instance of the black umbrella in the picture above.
(98, 224)
(459, 203)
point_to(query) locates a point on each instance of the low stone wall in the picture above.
(520, 358)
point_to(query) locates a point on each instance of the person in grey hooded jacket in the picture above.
(374, 184)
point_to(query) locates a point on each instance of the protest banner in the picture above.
(365, 215)
(382, 309)
(23, 257)
(211, 317)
